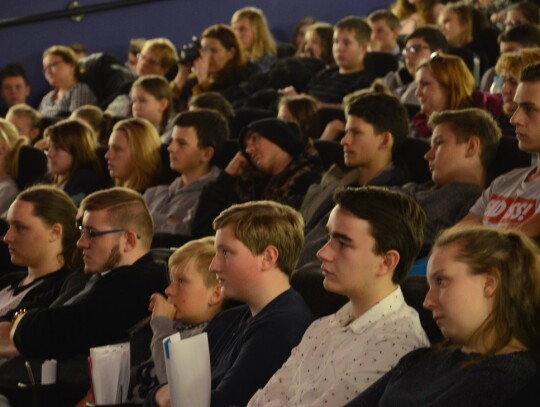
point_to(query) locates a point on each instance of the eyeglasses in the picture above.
(92, 234)
(52, 66)
(148, 60)
(414, 49)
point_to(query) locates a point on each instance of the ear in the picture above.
(473, 146)
(216, 296)
(386, 141)
(55, 233)
(389, 263)
(490, 285)
(207, 154)
(269, 256)
(163, 104)
(131, 241)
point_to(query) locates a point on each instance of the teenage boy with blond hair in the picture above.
(257, 245)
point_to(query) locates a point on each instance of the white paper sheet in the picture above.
(187, 362)
(109, 367)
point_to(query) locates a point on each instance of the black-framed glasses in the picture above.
(92, 234)
(414, 49)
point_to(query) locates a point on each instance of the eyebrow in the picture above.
(337, 235)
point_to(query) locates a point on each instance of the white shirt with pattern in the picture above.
(340, 356)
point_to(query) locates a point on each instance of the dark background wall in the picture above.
(178, 20)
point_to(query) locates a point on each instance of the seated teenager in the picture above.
(10, 145)
(253, 262)
(196, 139)
(373, 237)
(157, 57)
(41, 238)
(445, 83)
(97, 119)
(275, 163)
(511, 201)
(151, 99)
(220, 68)
(63, 72)
(419, 45)
(14, 86)
(194, 297)
(463, 147)
(250, 26)
(96, 307)
(483, 294)
(73, 163)
(508, 69)
(27, 120)
(351, 40)
(302, 110)
(133, 157)
(384, 32)
(317, 42)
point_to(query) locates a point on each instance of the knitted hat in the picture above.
(285, 135)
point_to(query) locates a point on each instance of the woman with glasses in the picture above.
(484, 294)
(419, 45)
(73, 163)
(63, 73)
(42, 243)
(445, 83)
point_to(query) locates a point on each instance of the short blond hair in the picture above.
(200, 253)
(260, 224)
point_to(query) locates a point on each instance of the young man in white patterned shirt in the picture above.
(374, 236)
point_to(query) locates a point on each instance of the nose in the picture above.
(429, 301)
(324, 254)
(429, 155)
(419, 92)
(250, 147)
(170, 289)
(170, 147)
(346, 140)
(516, 118)
(83, 242)
(7, 237)
(108, 154)
(214, 265)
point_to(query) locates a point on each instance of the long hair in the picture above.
(226, 36)
(52, 205)
(452, 73)
(514, 260)
(263, 42)
(158, 87)
(144, 147)
(8, 133)
(76, 138)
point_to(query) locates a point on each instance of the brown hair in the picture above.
(52, 205)
(126, 209)
(513, 259)
(470, 122)
(396, 222)
(77, 139)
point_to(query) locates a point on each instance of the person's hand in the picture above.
(200, 66)
(288, 91)
(163, 396)
(332, 130)
(181, 76)
(160, 307)
(237, 165)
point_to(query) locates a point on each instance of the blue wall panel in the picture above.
(177, 20)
